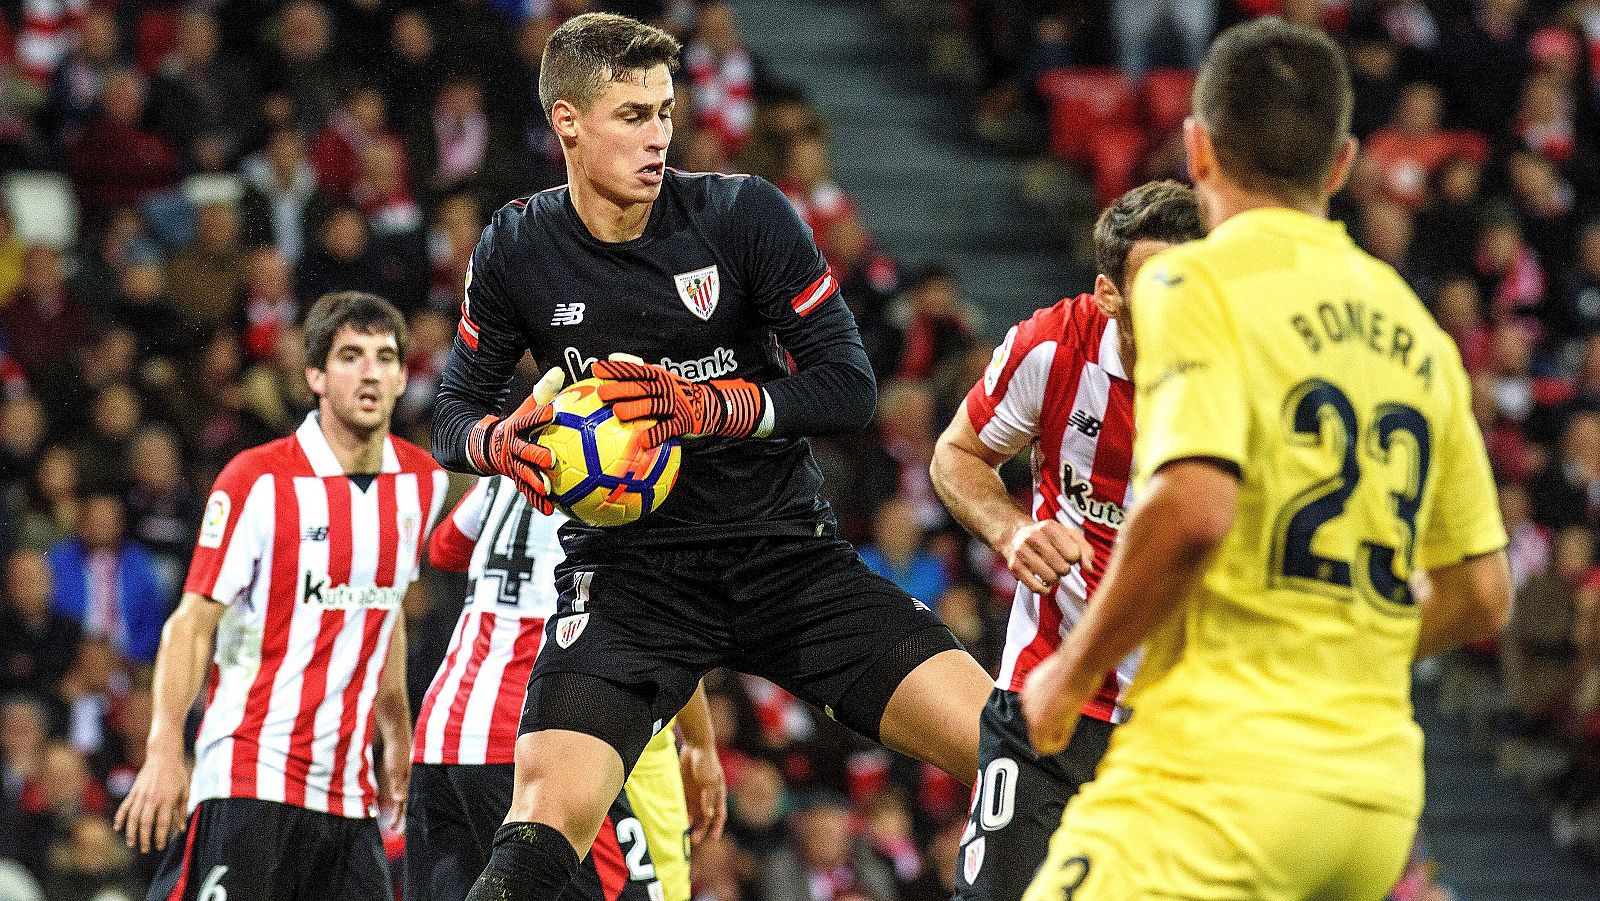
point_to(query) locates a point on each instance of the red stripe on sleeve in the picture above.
(468, 336)
(275, 634)
(450, 549)
(606, 855)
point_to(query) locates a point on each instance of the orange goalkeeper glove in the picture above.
(724, 408)
(503, 445)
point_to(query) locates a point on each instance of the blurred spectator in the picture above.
(723, 74)
(107, 583)
(24, 731)
(37, 643)
(399, 241)
(104, 446)
(1386, 234)
(123, 242)
(888, 830)
(1509, 272)
(22, 434)
(1375, 81)
(1545, 122)
(300, 69)
(269, 303)
(1580, 295)
(1485, 58)
(938, 879)
(114, 161)
(1529, 545)
(204, 277)
(451, 238)
(79, 82)
(198, 93)
(1459, 309)
(49, 30)
(940, 324)
(1446, 232)
(1137, 23)
(49, 506)
(431, 337)
(1545, 202)
(459, 150)
(44, 321)
(163, 506)
(757, 804)
(897, 554)
(58, 792)
(211, 409)
(1536, 649)
(282, 202)
(1568, 490)
(809, 185)
(146, 310)
(88, 863)
(410, 73)
(869, 280)
(335, 155)
(1409, 149)
(274, 391)
(341, 260)
(825, 861)
(907, 431)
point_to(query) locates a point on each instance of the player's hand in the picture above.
(726, 408)
(154, 809)
(1041, 554)
(394, 777)
(503, 445)
(1048, 706)
(705, 789)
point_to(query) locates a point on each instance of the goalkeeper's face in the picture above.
(618, 144)
(360, 381)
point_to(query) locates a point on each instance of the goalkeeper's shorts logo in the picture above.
(568, 628)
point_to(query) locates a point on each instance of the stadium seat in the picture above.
(42, 207)
(1166, 99)
(1085, 101)
(1116, 157)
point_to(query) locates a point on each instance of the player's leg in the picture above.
(1018, 799)
(623, 654)
(231, 849)
(655, 791)
(451, 815)
(619, 866)
(817, 622)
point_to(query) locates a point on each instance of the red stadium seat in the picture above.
(1166, 99)
(1116, 158)
(1085, 101)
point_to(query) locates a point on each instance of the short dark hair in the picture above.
(591, 49)
(361, 311)
(1276, 98)
(1154, 211)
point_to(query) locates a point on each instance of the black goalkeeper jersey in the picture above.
(725, 282)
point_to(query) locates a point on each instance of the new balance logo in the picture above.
(567, 314)
(314, 533)
(1083, 422)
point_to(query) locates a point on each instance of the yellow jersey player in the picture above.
(1304, 444)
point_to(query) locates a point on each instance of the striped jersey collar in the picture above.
(1111, 352)
(317, 450)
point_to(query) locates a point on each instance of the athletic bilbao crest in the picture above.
(972, 860)
(698, 290)
(568, 628)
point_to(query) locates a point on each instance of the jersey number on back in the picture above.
(1311, 404)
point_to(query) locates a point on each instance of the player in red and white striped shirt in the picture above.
(466, 733)
(1059, 384)
(292, 606)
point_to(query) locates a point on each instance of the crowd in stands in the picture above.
(231, 161)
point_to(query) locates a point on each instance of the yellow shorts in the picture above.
(655, 789)
(1133, 835)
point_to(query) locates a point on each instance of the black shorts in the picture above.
(249, 850)
(451, 816)
(805, 613)
(1018, 799)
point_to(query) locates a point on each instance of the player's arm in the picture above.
(1192, 426)
(450, 546)
(154, 808)
(469, 432)
(1466, 595)
(391, 718)
(704, 786)
(966, 474)
(832, 389)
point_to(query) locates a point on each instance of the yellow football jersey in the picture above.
(1278, 345)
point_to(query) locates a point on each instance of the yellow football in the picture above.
(603, 473)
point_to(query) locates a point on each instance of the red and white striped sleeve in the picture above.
(450, 548)
(233, 532)
(1005, 404)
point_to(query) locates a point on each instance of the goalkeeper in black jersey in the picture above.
(715, 281)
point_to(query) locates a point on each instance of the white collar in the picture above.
(320, 453)
(1111, 351)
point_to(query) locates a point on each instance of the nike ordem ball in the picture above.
(603, 473)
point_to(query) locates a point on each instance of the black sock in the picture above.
(530, 862)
